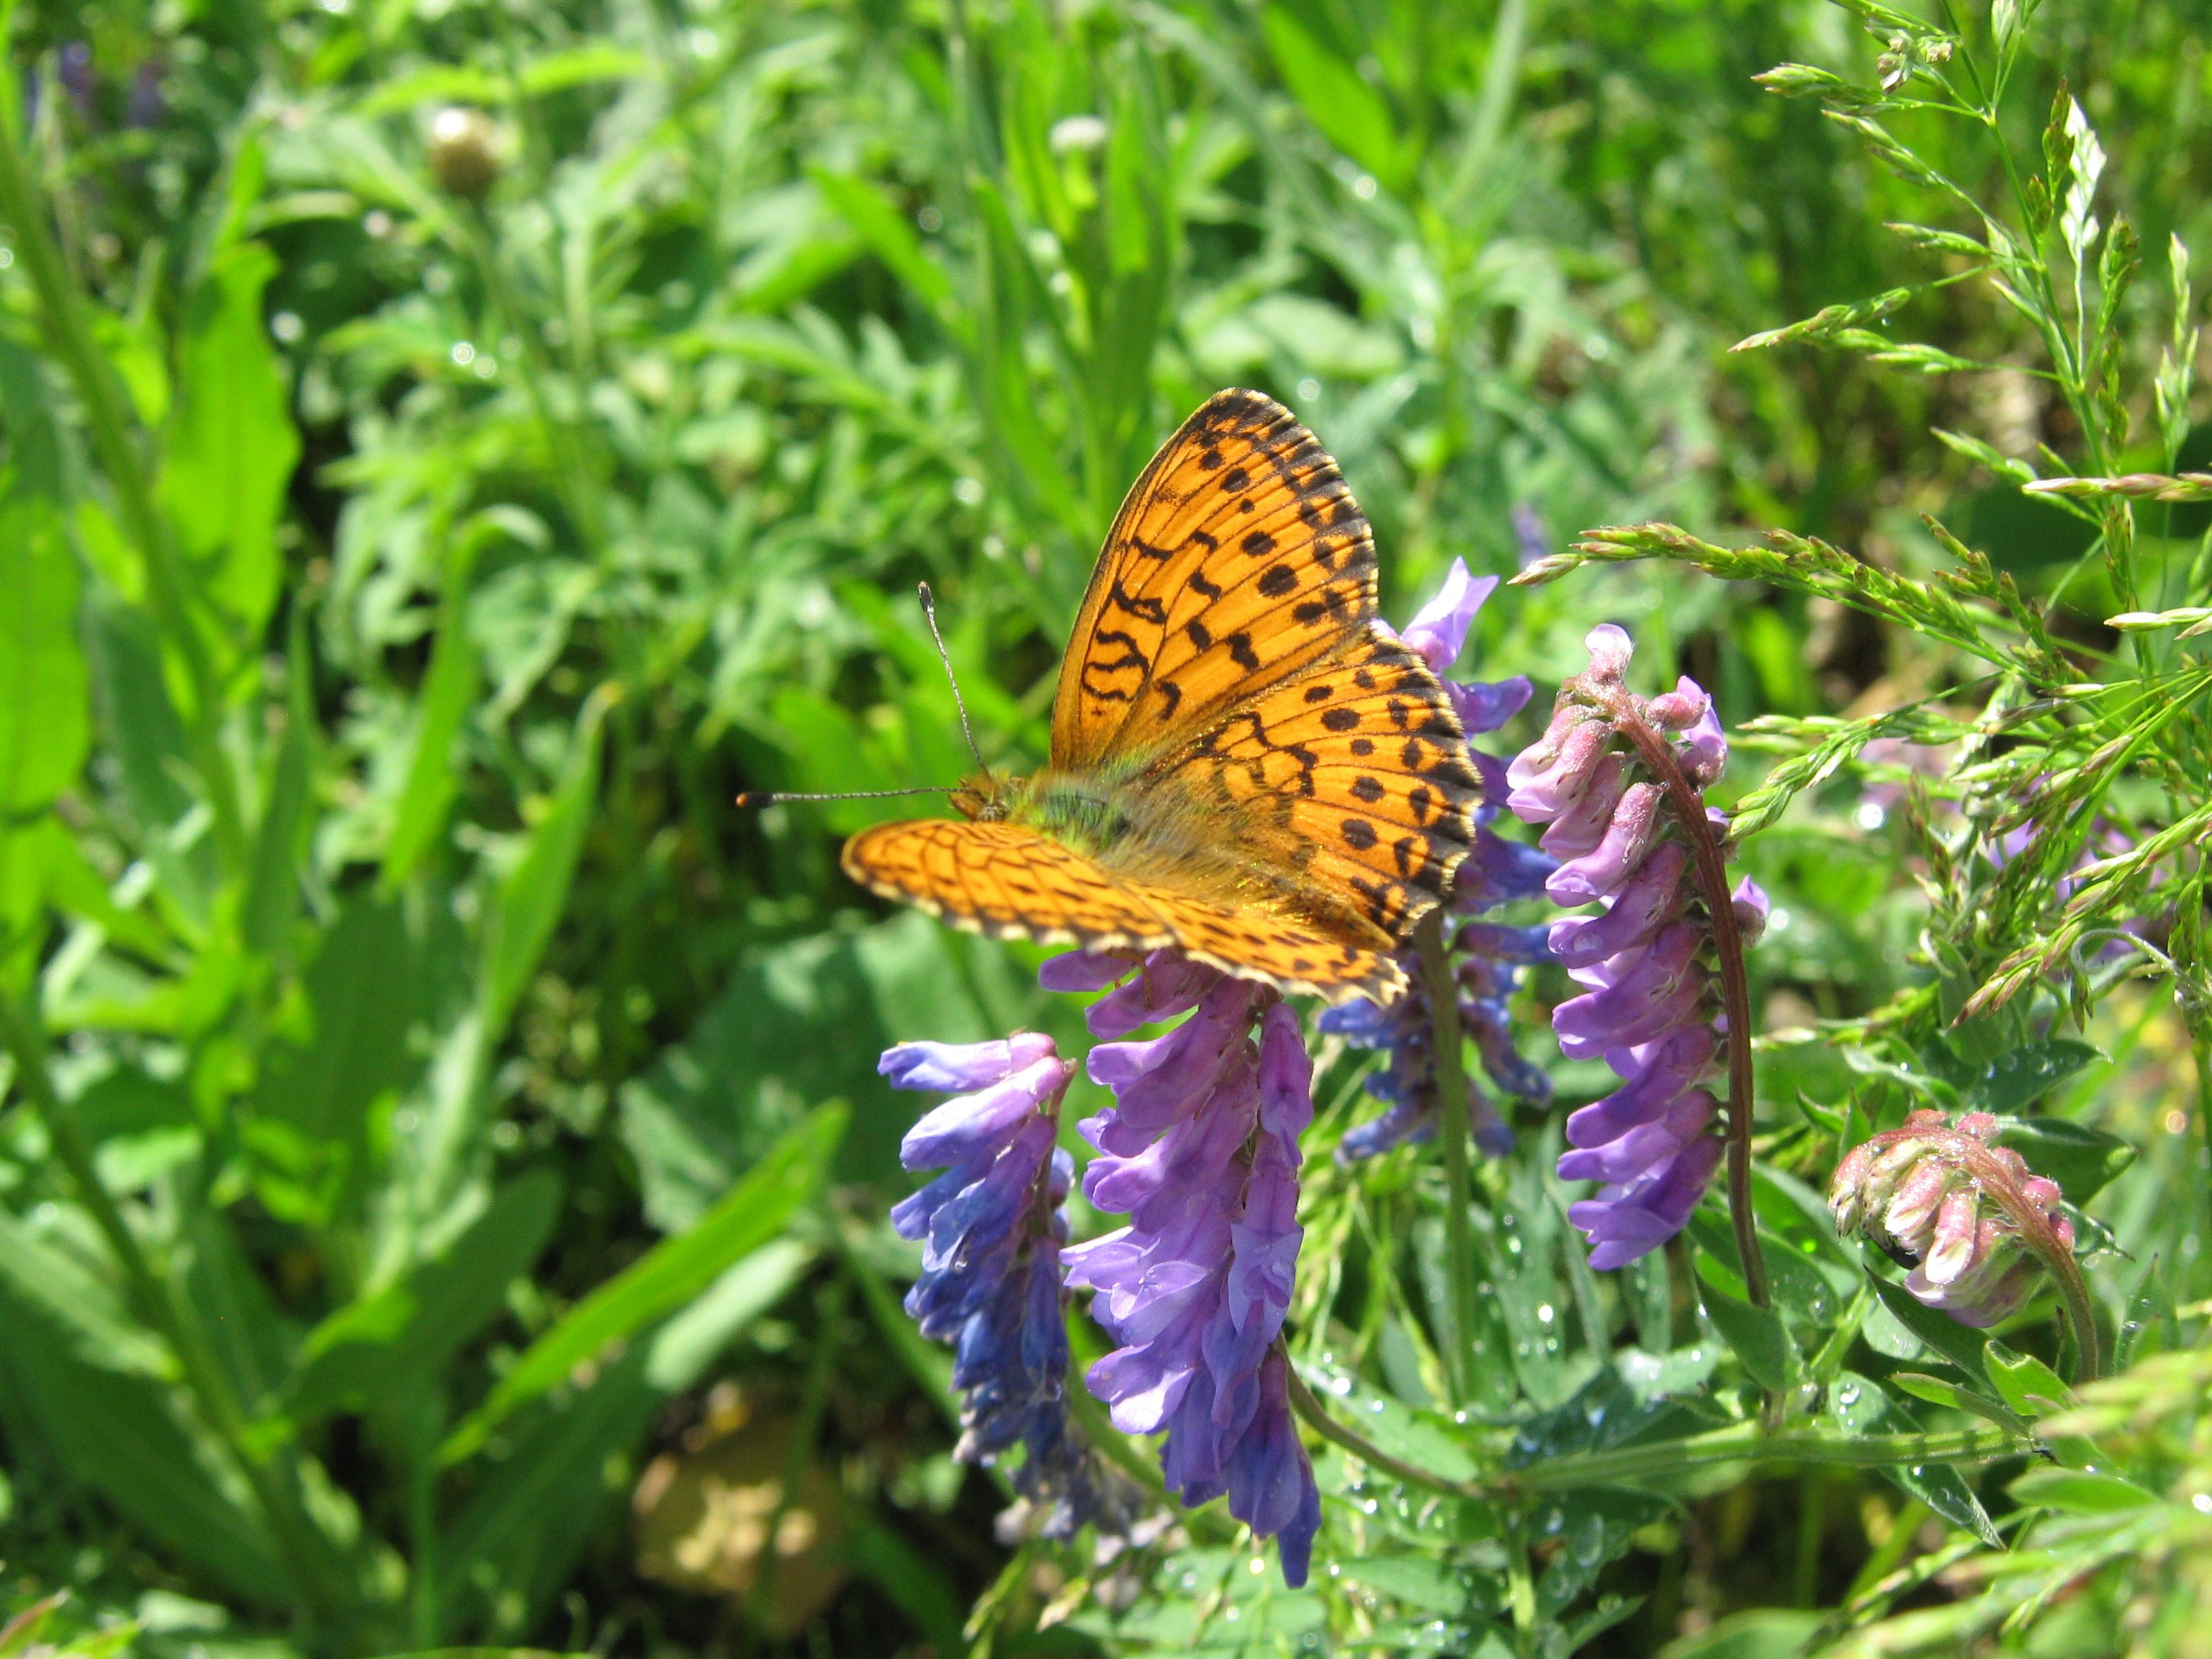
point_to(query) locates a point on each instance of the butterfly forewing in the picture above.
(1238, 560)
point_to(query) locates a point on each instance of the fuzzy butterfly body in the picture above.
(1246, 765)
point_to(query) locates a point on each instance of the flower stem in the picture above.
(1449, 1074)
(1747, 1443)
(1626, 710)
(1997, 1184)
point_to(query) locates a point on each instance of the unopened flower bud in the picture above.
(1966, 1218)
(464, 152)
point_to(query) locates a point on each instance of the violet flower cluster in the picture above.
(1648, 1009)
(991, 1228)
(1486, 956)
(1200, 1151)
(1972, 1224)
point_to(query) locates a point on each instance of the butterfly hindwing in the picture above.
(1002, 879)
(1238, 560)
(1350, 786)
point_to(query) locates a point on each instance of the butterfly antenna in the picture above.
(772, 797)
(929, 615)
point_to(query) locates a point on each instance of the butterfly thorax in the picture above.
(1083, 812)
(1147, 832)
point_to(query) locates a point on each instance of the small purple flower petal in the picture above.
(1078, 971)
(969, 1124)
(1609, 648)
(1167, 985)
(1486, 706)
(1704, 749)
(1540, 793)
(1439, 628)
(1682, 707)
(1583, 819)
(1499, 872)
(1627, 838)
(1646, 902)
(1752, 907)
(956, 1065)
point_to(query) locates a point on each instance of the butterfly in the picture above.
(1246, 765)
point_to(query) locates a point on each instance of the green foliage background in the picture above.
(432, 1109)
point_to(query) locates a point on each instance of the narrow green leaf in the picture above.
(536, 890)
(2077, 1491)
(884, 228)
(115, 1433)
(449, 691)
(1960, 1344)
(2029, 1387)
(46, 724)
(368, 1353)
(668, 1276)
(233, 448)
(1350, 113)
(1755, 1335)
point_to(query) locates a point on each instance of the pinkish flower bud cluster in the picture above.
(1963, 1215)
(1648, 1008)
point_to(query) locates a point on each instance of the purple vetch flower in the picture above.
(991, 1231)
(1973, 1226)
(1200, 1150)
(1486, 956)
(1648, 1007)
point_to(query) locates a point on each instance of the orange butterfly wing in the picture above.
(1002, 879)
(1237, 561)
(1349, 786)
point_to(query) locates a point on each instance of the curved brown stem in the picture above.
(1976, 1158)
(1625, 712)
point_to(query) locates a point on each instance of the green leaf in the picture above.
(114, 1433)
(1960, 1344)
(232, 447)
(2029, 1387)
(2081, 1160)
(449, 691)
(536, 890)
(1755, 1633)
(45, 725)
(887, 235)
(364, 990)
(2018, 1077)
(520, 1533)
(803, 1023)
(1755, 1335)
(370, 1352)
(687, 1344)
(667, 1277)
(2078, 1491)
(1350, 113)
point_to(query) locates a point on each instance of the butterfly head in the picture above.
(987, 797)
